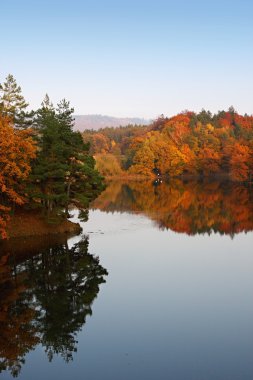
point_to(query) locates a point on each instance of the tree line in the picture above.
(196, 144)
(44, 164)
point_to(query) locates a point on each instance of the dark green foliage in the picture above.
(238, 131)
(63, 172)
(205, 117)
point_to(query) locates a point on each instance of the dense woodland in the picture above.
(199, 145)
(44, 164)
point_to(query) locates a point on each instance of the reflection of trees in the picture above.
(45, 299)
(18, 334)
(187, 207)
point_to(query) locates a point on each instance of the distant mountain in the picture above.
(96, 122)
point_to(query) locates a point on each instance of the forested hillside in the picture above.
(200, 145)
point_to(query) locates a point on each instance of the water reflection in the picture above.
(45, 298)
(186, 207)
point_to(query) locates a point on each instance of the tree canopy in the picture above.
(43, 162)
(197, 144)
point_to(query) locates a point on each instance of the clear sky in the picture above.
(131, 58)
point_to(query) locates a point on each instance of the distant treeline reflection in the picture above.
(190, 207)
(45, 298)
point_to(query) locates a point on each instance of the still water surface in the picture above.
(170, 297)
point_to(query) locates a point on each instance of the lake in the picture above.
(158, 286)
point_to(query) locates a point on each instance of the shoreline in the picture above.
(222, 177)
(31, 224)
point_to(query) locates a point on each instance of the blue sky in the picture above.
(131, 58)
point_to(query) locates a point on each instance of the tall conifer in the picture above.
(64, 172)
(13, 104)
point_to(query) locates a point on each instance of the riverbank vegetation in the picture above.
(44, 164)
(188, 144)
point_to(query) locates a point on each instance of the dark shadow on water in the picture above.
(47, 289)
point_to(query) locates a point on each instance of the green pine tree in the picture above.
(13, 104)
(63, 172)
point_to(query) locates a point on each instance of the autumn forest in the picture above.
(188, 144)
(45, 165)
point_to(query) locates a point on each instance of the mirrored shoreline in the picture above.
(190, 207)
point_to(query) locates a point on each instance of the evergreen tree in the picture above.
(47, 104)
(13, 104)
(63, 172)
(51, 165)
(65, 113)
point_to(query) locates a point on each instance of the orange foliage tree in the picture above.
(17, 149)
